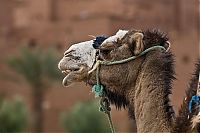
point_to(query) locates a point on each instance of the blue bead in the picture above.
(98, 90)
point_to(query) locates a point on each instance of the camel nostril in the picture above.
(67, 53)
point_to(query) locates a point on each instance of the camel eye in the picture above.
(106, 51)
(104, 54)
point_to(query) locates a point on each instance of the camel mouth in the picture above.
(72, 74)
(66, 72)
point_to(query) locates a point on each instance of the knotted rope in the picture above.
(104, 102)
(105, 107)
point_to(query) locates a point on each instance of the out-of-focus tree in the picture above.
(39, 68)
(85, 118)
(13, 116)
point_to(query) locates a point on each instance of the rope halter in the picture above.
(108, 63)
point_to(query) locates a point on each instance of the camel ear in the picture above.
(136, 41)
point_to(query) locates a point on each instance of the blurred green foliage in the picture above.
(13, 116)
(37, 66)
(39, 69)
(85, 118)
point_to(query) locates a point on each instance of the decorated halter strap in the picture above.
(195, 98)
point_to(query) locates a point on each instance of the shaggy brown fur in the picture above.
(182, 123)
(142, 85)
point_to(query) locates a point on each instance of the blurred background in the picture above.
(34, 35)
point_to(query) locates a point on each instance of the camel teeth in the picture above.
(67, 71)
(64, 72)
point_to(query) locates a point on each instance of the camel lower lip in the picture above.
(64, 82)
(66, 73)
(69, 73)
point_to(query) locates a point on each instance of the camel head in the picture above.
(80, 58)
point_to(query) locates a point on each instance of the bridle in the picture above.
(108, 63)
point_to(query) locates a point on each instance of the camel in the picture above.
(182, 121)
(142, 85)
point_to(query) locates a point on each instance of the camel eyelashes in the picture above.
(67, 53)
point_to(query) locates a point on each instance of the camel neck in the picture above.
(153, 112)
